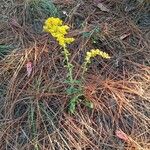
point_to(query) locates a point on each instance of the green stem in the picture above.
(84, 70)
(69, 65)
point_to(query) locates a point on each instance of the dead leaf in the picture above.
(29, 68)
(120, 134)
(102, 7)
(106, 28)
(122, 37)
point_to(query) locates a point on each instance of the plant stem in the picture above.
(69, 65)
(84, 70)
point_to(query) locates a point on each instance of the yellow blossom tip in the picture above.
(55, 27)
(95, 52)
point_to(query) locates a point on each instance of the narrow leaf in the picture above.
(89, 104)
(102, 7)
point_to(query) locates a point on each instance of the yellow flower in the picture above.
(53, 22)
(69, 40)
(61, 41)
(95, 52)
(57, 30)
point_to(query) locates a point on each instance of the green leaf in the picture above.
(89, 104)
(72, 90)
(97, 29)
(86, 34)
(5, 49)
(72, 108)
(70, 65)
(140, 1)
(77, 81)
(72, 105)
(67, 81)
(73, 81)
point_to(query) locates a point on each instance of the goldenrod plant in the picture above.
(55, 27)
(91, 54)
(39, 110)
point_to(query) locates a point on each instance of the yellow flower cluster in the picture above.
(55, 27)
(94, 53)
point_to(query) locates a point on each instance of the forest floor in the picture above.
(113, 112)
